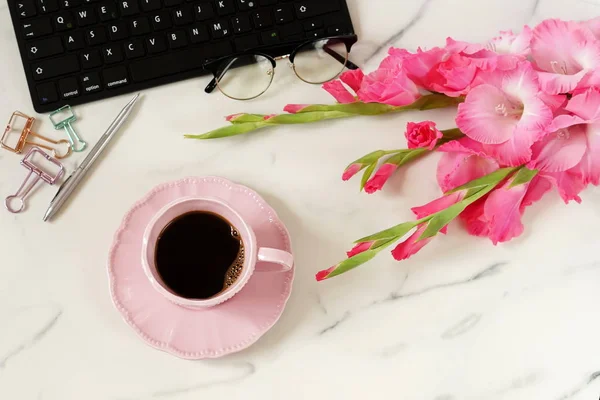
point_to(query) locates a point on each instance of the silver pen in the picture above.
(67, 188)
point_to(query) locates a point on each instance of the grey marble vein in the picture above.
(396, 36)
(571, 393)
(37, 336)
(462, 327)
(534, 8)
(246, 369)
(487, 272)
(393, 350)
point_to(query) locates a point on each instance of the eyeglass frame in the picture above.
(217, 68)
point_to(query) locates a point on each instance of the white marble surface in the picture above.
(462, 320)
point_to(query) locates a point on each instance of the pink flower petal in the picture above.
(388, 86)
(569, 184)
(475, 220)
(353, 79)
(339, 92)
(589, 167)
(380, 178)
(410, 246)
(438, 204)
(233, 117)
(514, 152)
(295, 108)
(359, 248)
(538, 187)
(456, 169)
(502, 209)
(322, 275)
(351, 171)
(586, 105)
(560, 151)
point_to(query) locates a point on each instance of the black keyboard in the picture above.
(78, 51)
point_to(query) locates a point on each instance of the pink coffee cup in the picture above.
(276, 260)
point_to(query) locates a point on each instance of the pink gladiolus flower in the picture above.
(339, 92)
(568, 184)
(482, 57)
(351, 171)
(295, 108)
(353, 78)
(380, 178)
(506, 115)
(594, 26)
(464, 160)
(422, 134)
(388, 86)
(566, 53)
(575, 142)
(509, 43)
(359, 248)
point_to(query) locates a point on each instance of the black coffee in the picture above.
(199, 254)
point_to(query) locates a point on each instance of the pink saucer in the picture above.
(198, 333)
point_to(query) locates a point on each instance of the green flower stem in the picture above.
(314, 113)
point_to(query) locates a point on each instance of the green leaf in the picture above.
(441, 219)
(397, 231)
(431, 102)
(359, 259)
(358, 108)
(524, 175)
(243, 118)
(367, 174)
(452, 134)
(229, 130)
(370, 158)
(306, 117)
(491, 179)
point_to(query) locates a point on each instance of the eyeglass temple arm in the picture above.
(219, 74)
(349, 64)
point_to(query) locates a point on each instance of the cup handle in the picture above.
(283, 259)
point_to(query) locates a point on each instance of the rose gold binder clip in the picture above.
(16, 202)
(21, 124)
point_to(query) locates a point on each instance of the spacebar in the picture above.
(172, 63)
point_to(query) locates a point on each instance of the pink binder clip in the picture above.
(35, 174)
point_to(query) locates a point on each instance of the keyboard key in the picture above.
(293, 30)
(203, 11)
(173, 3)
(308, 9)
(241, 24)
(118, 30)
(219, 29)
(85, 17)
(115, 77)
(128, 7)
(68, 88)
(74, 41)
(108, 12)
(150, 5)
(267, 2)
(183, 16)
(91, 59)
(284, 14)
(47, 6)
(177, 39)
(26, 8)
(46, 93)
(246, 42)
(134, 49)
(319, 33)
(112, 54)
(198, 33)
(338, 30)
(262, 18)
(140, 26)
(69, 3)
(270, 37)
(44, 48)
(225, 7)
(161, 21)
(55, 67)
(314, 24)
(39, 27)
(245, 5)
(96, 36)
(156, 44)
(90, 82)
(189, 59)
(63, 21)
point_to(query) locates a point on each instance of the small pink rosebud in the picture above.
(422, 135)
(380, 178)
(360, 248)
(295, 108)
(351, 171)
(322, 275)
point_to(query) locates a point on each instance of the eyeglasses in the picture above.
(314, 62)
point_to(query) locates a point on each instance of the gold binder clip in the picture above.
(25, 133)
